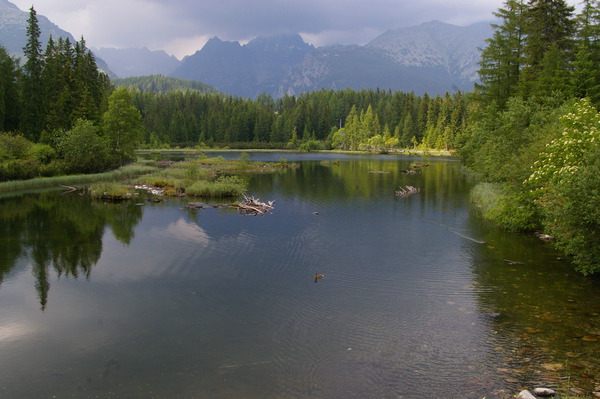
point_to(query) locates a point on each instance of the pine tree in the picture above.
(501, 60)
(549, 29)
(585, 76)
(9, 93)
(34, 96)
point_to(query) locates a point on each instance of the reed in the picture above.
(111, 191)
(225, 186)
(125, 172)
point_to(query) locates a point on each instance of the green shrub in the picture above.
(13, 147)
(18, 169)
(84, 150)
(514, 208)
(572, 215)
(110, 191)
(225, 186)
(42, 153)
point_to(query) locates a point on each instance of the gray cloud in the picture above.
(183, 26)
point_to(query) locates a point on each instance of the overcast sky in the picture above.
(181, 27)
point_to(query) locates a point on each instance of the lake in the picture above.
(421, 298)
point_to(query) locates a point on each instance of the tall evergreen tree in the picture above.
(9, 93)
(33, 118)
(501, 60)
(585, 76)
(549, 29)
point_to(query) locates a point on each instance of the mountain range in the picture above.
(433, 58)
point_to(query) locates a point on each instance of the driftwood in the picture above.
(408, 191)
(253, 206)
(249, 206)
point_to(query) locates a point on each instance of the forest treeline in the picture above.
(325, 119)
(529, 130)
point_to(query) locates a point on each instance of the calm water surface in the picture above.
(160, 301)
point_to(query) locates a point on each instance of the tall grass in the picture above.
(225, 186)
(125, 172)
(486, 196)
(111, 191)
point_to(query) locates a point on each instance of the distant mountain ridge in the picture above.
(437, 44)
(245, 70)
(433, 57)
(13, 29)
(131, 62)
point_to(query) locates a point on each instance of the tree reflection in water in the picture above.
(63, 232)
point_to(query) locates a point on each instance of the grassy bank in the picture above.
(125, 172)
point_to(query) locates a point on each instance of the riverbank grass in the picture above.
(125, 172)
(111, 191)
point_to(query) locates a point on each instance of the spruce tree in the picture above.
(33, 93)
(501, 60)
(585, 76)
(9, 93)
(548, 50)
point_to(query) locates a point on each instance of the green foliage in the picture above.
(57, 86)
(512, 209)
(10, 104)
(322, 119)
(565, 156)
(43, 153)
(32, 120)
(244, 158)
(500, 63)
(311, 145)
(564, 181)
(540, 49)
(13, 147)
(161, 84)
(84, 150)
(498, 146)
(122, 126)
(572, 215)
(110, 191)
(224, 186)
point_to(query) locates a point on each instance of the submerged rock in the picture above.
(525, 395)
(544, 392)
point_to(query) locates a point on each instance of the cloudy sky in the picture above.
(180, 27)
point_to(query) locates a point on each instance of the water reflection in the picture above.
(546, 316)
(417, 299)
(63, 233)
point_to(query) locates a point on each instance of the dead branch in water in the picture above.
(249, 206)
(253, 206)
(408, 191)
